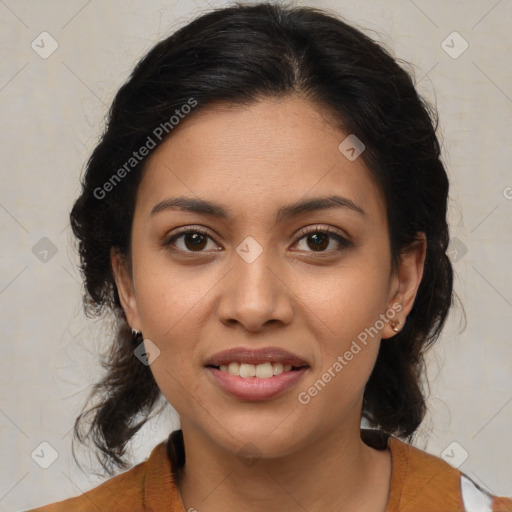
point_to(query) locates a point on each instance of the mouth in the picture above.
(248, 357)
(253, 375)
(264, 370)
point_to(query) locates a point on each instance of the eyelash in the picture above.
(334, 233)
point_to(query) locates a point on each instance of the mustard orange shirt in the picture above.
(420, 482)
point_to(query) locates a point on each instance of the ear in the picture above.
(124, 283)
(406, 282)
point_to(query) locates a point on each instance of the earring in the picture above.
(136, 333)
(394, 325)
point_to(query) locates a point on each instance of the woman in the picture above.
(266, 216)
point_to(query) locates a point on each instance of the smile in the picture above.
(260, 371)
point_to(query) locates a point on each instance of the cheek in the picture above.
(170, 297)
(165, 307)
(348, 346)
(348, 313)
(348, 301)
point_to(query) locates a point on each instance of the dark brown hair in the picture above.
(239, 54)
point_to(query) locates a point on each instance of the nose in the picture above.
(255, 293)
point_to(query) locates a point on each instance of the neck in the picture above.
(337, 472)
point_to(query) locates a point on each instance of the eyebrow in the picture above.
(213, 209)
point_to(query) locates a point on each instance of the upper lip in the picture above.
(255, 356)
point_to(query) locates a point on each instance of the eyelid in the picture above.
(188, 229)
(342, 239)
(323, 229)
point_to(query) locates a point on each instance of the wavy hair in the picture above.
(238, 55)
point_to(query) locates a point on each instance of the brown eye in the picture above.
(190, 240)
(194, 241)
(318, 240)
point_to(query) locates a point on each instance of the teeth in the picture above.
(261, 371)
(277, 368)
(247, 370)
(234, 369)
(264, 371)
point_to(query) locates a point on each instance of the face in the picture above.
(253, 272)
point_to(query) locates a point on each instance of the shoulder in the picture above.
(426, 483)
(148, 485)
(118, 492)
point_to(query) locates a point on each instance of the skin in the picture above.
(253, 160)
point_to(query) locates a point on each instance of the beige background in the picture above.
(52, 111)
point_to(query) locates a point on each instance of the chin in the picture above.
(267, 439)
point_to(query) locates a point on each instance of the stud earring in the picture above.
(394, 325)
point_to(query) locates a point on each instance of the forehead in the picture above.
(256, 158)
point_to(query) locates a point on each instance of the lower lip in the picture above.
(252, 388)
